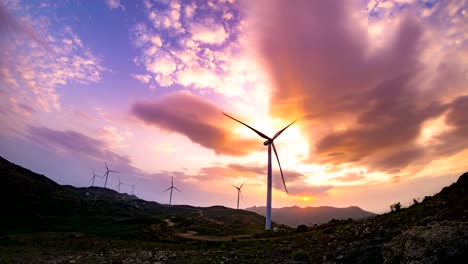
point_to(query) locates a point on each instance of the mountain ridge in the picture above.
(294, 215)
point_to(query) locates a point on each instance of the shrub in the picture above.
(300, 255)
(301, 228)
(395, 207)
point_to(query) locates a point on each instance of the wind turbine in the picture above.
(118, 185)
(107, 174)
(133, 187)
(239, 193)
(171, 188)
(269, 142)
(94, 177)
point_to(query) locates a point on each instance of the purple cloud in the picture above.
(79, 144)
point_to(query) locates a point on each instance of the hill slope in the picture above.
(294, 216)
(36, 203)
(42, 220)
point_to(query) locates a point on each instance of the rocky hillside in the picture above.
(48, 223)
(432, 231)
(294, 216)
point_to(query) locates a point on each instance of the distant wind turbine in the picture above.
(107, 174)
(171, 188)
(94, 177)
(269, 142)
(118, 185)
(133, 187)
(239, 193)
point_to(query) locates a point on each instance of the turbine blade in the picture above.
(240, 187)
(282, 177)
(235, 186)
(177, 189)
(168, 189)
(256, 131)
(106, 166)
(113, 171)
(281, 131)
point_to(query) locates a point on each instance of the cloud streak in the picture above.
(77, 144)
(197, 119)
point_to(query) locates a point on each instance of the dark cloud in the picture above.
(202, 122)
(363, 104)
(456, 138)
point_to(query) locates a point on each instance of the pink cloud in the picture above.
(197, 119)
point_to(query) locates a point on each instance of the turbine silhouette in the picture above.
(269, 142)
(133, 187)
(118, 185)
(94, 177)
(107, 174)
(239, 193)
(171, 188)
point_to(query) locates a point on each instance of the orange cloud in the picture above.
(363, 105)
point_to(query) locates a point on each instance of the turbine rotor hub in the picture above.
(267, 142)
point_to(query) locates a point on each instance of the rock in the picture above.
(444, 242)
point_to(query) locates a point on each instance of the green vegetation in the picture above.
(395, 207)
(300, 255)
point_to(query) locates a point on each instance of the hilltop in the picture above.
(294, 215)
(45, 222)
(36, 203)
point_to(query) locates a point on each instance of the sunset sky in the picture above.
(380, 89)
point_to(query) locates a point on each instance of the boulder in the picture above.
(440, 242)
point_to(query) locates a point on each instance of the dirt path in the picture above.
(192, 235)
(169, 222)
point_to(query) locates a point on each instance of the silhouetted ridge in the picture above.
(35, 203)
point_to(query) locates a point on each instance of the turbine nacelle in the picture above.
(268, 142)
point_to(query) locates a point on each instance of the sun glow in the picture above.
(306, 199)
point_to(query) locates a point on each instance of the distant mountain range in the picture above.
(294, 216)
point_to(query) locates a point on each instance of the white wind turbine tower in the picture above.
(239, 193)
(171, 188)
(269, 142)
(94, 177)
(133, 187)
(107, 174)
(118, 185)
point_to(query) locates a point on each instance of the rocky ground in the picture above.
(434, 230)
